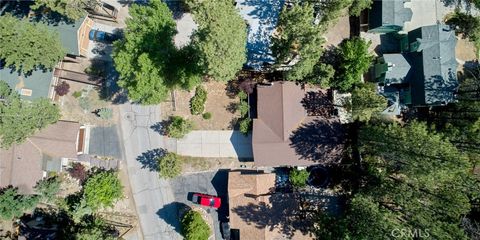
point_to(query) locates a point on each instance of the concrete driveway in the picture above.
(215, 144)
(212, 183)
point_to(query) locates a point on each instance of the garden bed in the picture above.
(218, 103)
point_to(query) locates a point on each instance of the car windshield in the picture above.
(212, 202)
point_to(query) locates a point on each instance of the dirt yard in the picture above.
(198, 164)
(218, 104)
(73, 110)
(338, 31)
(465, 51)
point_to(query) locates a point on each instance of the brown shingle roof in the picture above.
(21, 165)
(277, 131)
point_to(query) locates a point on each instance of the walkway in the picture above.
(215, 144)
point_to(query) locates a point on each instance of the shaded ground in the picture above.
(465, 52)
(337, 32)
(218, 104)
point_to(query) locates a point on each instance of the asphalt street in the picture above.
(151, 194)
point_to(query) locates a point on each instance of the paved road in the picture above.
(152, 195)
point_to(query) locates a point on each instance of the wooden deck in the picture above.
(80, 77)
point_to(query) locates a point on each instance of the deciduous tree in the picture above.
(355, 59)
(102, 190)
(20, 119)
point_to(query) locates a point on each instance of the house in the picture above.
(388, 16)
(286, 134)
(39, 83)
(261, 18)
(423, 72)
(257, 211)
(22, 165)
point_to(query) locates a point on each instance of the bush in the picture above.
(207, 115)
(243, 107)
(170, 165)
(77, 94)
(105, 113)
(78, 171)
(62, 88)
(84, 103)
(102, 190)
(197, 103)
(242, 95)
(245, 125)
(48, 188)
(179, 127)
(194, 227)
(298, 178)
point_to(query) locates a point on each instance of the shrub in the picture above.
(102, 190)
(62, 88)
(170, 165)
(242, 95)
(105, 113)
(77, 94)
(243, 107)
(179, 127)
(84, 103)
(298, 178)
(194, 227)
(48, 188)
(197, 103)
(78, 171)
(245, 125)
(207, 115)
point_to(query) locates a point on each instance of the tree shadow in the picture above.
(149, 158)
(161, 127)
(283, 214)
(220, 183)
(172, 213)
(318, 104)
(319, 140)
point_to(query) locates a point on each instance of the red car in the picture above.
(206, 200)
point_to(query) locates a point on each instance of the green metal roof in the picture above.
(39, 82)
(435, 81)
(68, 33)
(398, 68)
(389, 15)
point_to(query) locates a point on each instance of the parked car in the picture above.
(206, 200)
(101, 36)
